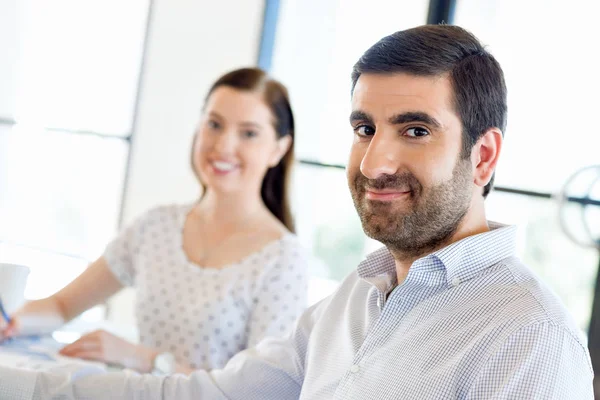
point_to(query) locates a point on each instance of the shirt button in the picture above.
(455, 282)
(354, 369)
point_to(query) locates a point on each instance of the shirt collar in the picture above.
(460, 261)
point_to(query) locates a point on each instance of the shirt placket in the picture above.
(392, 312)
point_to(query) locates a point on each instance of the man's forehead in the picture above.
(401, 90)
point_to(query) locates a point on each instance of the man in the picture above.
(445, 310)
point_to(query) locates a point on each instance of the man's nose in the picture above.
(381, 157)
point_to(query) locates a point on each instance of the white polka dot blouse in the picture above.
(204, 316)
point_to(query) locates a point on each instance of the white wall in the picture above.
(190, 44)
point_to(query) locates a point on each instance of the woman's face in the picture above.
(236, 142)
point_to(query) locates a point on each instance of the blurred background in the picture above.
(99, 99)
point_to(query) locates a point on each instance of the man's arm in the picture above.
(272, 370)
(540, 361)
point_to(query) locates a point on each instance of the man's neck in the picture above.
(472, 224)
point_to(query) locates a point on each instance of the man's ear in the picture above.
(283, 145)
(484, 156)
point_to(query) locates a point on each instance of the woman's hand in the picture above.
(8, 330)
(38, 317)
(108, 348)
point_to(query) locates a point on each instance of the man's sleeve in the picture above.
(272, 370)
(540, 361)
(17, 384)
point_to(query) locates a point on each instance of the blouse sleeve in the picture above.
(121, 251)
(282, 297)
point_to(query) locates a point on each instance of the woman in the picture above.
(213, 277)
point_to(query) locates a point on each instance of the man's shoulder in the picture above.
(351, 290)
(521, 298)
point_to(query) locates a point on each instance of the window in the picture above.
(316, 46)
(536, 43)
(549, 53)
(69, 74)
(567, 268)
(326, 216)
(72, 64)
(60, 191)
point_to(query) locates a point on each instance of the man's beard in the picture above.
(427, 223)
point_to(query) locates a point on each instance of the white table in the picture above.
(41, 353)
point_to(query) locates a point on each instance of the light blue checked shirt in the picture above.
(469, 322)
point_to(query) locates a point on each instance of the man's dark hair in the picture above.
(433, 50)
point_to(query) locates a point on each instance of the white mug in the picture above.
(13, 279)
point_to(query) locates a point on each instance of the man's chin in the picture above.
(381, 232)
(388, 209)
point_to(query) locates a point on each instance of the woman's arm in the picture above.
(108, 348)
(93, 286)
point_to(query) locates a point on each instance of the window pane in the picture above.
(568, 269)
(60, 191)
(49, 272)
(549, 52)
(78, 62)
(317, 44)
(9, 53)
(327, 222)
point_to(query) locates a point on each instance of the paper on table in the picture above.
(40, 356)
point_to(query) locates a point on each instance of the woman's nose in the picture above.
(225, 143)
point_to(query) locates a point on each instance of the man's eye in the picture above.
(416, 132)
(364, 130)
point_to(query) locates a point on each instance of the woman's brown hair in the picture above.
(275, 186)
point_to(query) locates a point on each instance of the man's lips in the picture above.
(386, 194)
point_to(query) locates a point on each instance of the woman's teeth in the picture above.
(223, 166)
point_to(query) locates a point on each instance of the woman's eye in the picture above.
(250, 134)
(364, 130)
(416, 132)
(213, 124)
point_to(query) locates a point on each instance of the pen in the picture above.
(4, 313)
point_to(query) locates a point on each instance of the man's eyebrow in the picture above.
(414, 116)
(357, 115)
